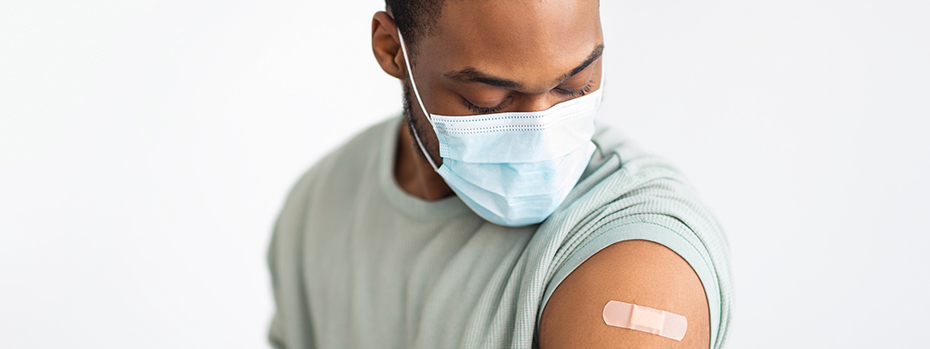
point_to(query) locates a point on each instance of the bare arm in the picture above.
(638, 272)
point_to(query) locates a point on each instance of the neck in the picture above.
(413, 173)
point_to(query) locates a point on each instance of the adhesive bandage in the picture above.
(640, 318)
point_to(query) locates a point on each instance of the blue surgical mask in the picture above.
(513, 169)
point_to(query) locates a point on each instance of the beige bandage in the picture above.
(640, 318)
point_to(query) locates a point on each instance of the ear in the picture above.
(386, 45)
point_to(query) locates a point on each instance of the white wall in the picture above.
(146, 147)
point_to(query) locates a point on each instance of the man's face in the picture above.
(493, 56)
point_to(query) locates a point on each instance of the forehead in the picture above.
(525, 40)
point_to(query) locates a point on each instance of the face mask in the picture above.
(513, 169)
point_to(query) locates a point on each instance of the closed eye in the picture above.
(485, 110)
(577, 93)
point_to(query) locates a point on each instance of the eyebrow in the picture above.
(472, 75)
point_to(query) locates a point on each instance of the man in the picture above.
(493, 214)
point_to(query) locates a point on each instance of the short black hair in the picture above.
(415, 18)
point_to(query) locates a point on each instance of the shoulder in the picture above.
(621, 167)
(336, 174)
(648, 240)
(634, 271)
(343, 164)
(357, 152)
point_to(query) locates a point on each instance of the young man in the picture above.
(493, 213)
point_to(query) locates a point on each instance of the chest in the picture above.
(387, 281)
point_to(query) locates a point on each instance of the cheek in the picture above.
(442, 101)
(437, 99)
(598, 75)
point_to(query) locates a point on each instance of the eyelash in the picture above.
(481, 110)
(580, 92)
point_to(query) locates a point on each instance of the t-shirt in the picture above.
(358, 263)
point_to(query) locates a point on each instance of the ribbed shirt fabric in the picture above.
(358, 263)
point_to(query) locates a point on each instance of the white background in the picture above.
(146, 147)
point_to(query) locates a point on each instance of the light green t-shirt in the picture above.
(358, 263)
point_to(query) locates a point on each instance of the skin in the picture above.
(496, 39)
(528, 55)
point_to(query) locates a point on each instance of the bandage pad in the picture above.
(646, 319)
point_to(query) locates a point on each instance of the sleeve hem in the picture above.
(649, 232)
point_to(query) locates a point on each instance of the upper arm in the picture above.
(635, 271)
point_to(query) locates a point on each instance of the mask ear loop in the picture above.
(429, 118)
(403, 48)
